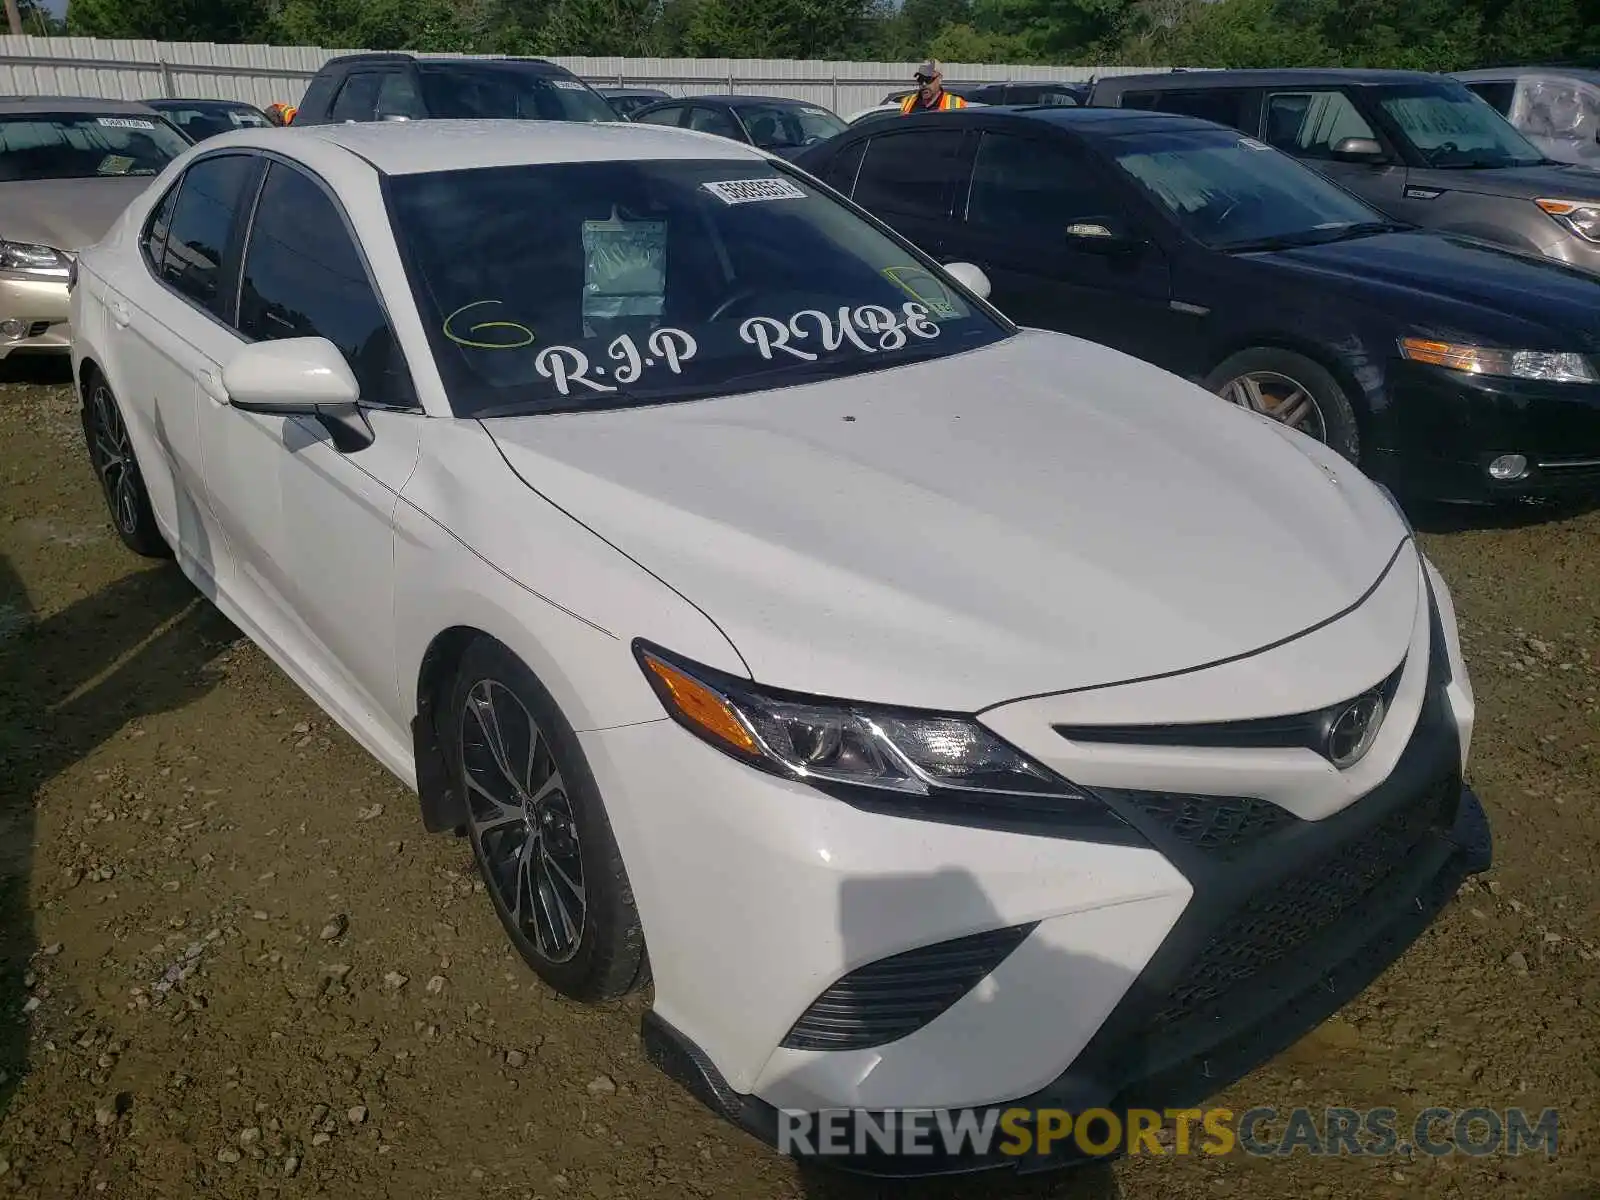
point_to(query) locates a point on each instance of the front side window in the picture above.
(1026, 186)
(358, 98)
(1450, 127)
(209, 202)
(788, 126)
(907, 174)
(510, 92)
(398, 97)
(644, 282)
(303, 277)
(1232, 193)
(85, 146)
(1312, 124)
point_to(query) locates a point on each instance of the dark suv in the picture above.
(1419, 148)
(406, 87)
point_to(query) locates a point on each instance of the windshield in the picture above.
(788, 126)
(510, 92)
(85, 145)
(1449, 126)
(1229, 191)
(593, 285)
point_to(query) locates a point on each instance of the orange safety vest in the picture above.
(947, 101)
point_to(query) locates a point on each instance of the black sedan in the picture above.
(201, 119)
(1448, 368)
(775, 124)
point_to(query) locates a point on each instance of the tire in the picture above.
(543, 835)
(1268, 380)
(111, 455)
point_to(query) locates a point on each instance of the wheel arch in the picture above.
(443, 806)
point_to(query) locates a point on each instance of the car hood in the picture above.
(1553, 180)
(1039, 515)
(68, 214)
(1437, 276)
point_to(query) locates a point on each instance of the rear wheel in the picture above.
(539, 830)
(1293, 390)
(111, 453)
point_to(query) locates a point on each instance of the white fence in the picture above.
(139, 70)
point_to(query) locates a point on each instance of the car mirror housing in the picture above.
(299, 377)
(1359, 149)
(969, 276)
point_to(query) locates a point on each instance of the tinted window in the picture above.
(659, 280)
(908, 174)
(788, 126)
(840, 174)
(1450, 127)
(303, 278)
(1148, 100)
(672, 114)
(358, 98)
(510, 92)
(1027, 186)
(209, 200)
(86, 145)
(1225, 106)
(1498, 93)
(398, 97)
(154, 242)
(1311, 124)
(713, 120)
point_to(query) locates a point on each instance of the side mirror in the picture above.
(299, 377)
(1358, 149)
(970, 277)
(1101, 235)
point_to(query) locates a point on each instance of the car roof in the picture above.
(398, 56)
(1102, 122)
(726, 100)
(417, 147)
(1291, 76)
(12, 106)
(180, 102)
(1585, 73)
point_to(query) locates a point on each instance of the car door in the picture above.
(1013, 222)
(322, 548)
(907, 179)
(1309, 123)
(169, 305)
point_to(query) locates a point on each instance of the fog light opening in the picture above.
(1509, 467)
(13, 328)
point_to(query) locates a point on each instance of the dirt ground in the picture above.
(233, 965)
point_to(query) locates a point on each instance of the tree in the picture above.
(170, 20)
(774, 28)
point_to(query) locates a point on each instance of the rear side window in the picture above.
(303, 277)
(154, 242)
(203, 222)
(909, 174)
(1149, 100)
(713, 120)
(1225, 106)
(670, 115)
(1498, 92)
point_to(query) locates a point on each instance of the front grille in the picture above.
(1275, 923)
(1213, 823)
(888, 999)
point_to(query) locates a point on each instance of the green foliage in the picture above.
(170, 20)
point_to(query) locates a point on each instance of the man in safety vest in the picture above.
(930, 95)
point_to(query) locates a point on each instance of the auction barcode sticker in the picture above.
(124, 123)
(745, 191)
(568, 85)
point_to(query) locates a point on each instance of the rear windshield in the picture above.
(510, 93)
(85, 145)
(598, 285)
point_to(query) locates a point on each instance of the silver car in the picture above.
(68, 167)
(1419, 148)
(1558, 108)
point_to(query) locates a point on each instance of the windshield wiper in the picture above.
(1312, 237)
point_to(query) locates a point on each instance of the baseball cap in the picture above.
(929, 70)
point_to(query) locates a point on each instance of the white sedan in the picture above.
(959, 714)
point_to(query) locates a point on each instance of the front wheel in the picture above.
(1293, 390)
(539, 830)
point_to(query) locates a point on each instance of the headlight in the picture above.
(30, 259)
(1581, 217)
(1551, 366)
(907, 758)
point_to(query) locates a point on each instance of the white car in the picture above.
(959, 714)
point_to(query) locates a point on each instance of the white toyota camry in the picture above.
(943, 714)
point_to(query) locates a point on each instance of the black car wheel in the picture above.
(1292, 389)
(111, 453)
(539, 830)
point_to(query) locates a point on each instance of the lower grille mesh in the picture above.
(893, 997)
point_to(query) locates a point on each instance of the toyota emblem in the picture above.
(1352, 732)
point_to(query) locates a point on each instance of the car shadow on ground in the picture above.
(1464, 518)
(69, 681)
(45, 370)
(1042, 976)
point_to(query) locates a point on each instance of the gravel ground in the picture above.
(232, 964)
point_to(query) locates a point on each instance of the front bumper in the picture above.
(789, 931)
(39, 308)
(1442, 428)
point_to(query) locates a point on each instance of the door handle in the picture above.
(120, 316)
(211, 385)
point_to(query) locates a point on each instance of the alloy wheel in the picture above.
(113, 460)
(1277, 396)
(522, 821)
